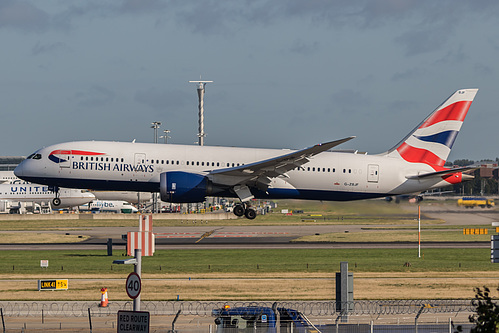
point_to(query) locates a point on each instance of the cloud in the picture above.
(95, 96)
(163, 100)
(350, 101)
(48, 48)
(409, 74)
(303, 47)
(22, 16)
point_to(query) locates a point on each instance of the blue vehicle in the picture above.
(261, 319)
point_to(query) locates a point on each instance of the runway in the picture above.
(267, 237)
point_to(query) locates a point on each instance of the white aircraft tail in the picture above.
(431, 141)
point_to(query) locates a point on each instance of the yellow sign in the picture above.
(52, 285)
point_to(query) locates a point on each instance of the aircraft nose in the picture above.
(18, 171)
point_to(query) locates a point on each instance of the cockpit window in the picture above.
(34, 156)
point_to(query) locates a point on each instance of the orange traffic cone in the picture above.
(104, 301)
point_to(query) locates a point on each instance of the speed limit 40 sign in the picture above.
(133, 285)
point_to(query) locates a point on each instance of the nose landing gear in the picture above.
(56, 201)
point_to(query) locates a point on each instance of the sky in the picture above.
(287, 73)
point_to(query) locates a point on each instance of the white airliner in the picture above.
(127, 196)
(110, 206)
(185, 173)
(68, 197)
(8, 177)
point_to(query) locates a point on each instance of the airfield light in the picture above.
(166, 137)
(155, 126)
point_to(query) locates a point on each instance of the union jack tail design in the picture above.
(431, 141)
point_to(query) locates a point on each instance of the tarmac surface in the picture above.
(188, 237)
(260, 237)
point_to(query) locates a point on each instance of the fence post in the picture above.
(90, 320)
(3, 322)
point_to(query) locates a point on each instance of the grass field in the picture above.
(253, 274)
(251, 261)
(259, 274)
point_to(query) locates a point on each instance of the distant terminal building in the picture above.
(9, 163)
(488, 170)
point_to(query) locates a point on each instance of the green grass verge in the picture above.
(250, 261)
(395, 236)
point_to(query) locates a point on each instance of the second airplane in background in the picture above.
(183, 173)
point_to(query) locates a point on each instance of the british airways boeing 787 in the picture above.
(187, 173)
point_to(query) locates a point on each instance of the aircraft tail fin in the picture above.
(431, 141)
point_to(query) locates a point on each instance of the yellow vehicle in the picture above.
(470, 202)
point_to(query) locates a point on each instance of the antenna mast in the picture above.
(201, 88)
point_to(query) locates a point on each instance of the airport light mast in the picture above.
(155, 126)
(201, 88)
(166, 137)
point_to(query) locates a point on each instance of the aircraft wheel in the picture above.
(250, 213)
(238, 210)
(56, 201)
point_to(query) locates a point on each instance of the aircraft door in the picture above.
(373, 173)
(140, 158)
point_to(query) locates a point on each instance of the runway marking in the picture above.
(215, 234)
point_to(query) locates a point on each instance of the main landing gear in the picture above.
(244, 209)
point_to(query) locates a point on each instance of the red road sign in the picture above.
(133, 285)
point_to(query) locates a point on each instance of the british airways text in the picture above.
(102, 166)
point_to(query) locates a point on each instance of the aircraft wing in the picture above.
(259, 173)
(440, 173)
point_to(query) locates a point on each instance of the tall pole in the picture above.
(201, 89)
(166, 135)
(138, 270)
(155, 126)
(419, 231)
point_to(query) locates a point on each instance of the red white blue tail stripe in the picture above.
(431, 142)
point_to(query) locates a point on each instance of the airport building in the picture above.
(9, 163)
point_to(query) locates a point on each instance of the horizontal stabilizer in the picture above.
(441, 173)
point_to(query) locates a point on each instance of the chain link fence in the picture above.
(204, 308)
(197, 316)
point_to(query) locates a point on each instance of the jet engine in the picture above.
(184, 187)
